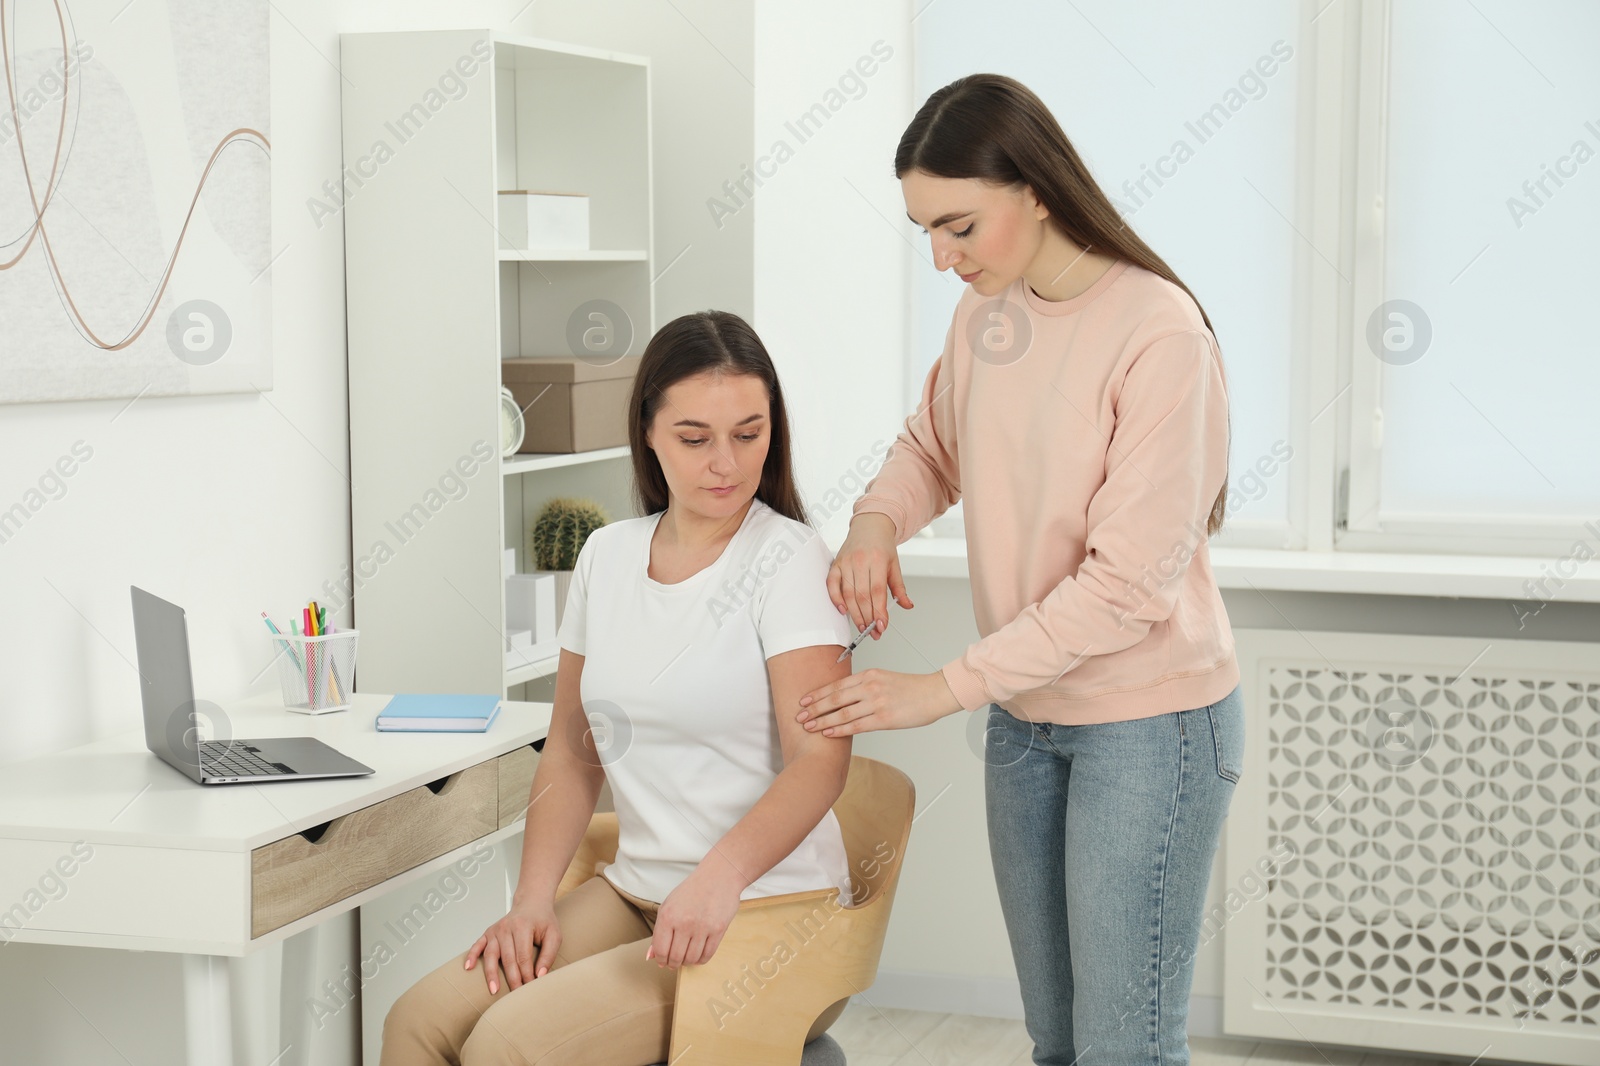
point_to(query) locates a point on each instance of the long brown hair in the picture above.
(993, 128)
(715, 342)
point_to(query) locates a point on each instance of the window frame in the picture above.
(1364, 524)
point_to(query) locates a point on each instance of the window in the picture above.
(1335, 182)
(1473, 367)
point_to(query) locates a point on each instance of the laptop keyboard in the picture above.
(223, 760)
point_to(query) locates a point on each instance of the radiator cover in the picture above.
(1426, 811)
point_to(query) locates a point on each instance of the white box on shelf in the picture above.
(519, 638)
(508, 564)
(531, 605)
(563, 580)
(533, 219)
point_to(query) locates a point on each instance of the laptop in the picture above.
(172, 715)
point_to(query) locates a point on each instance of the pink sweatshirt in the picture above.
(1089, 454)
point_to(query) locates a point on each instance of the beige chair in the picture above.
(786, 961)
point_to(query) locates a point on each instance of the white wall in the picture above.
(831, 284)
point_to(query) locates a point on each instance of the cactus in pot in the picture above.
(558, 533)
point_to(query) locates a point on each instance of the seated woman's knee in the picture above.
(489, 1046)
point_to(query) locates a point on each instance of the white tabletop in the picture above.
(115, 791)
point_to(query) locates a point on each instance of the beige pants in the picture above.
(601, 1004)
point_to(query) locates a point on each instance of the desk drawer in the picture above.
(516, 782)
(292, 877)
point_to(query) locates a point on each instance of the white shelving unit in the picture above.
(532, 670)
(530, 462)
(524, 255)
(434, 304)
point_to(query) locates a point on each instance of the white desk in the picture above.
(152, 861)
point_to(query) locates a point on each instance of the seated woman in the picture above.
(688, 638)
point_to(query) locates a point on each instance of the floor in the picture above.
(892, 1037)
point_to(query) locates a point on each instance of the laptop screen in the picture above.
(166, 685)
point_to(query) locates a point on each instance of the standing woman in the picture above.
(1080, 407)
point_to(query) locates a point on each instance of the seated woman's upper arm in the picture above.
(568, 723)
(792, 674)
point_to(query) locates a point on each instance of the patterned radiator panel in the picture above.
(1446, 832)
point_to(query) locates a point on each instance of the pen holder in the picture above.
(317, 673)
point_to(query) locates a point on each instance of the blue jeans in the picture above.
(1102, 838)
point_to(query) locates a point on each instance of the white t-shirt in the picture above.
(676, 691)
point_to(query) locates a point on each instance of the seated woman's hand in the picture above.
(510, 943)
(692, 919)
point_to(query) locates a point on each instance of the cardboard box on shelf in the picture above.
(571, 403)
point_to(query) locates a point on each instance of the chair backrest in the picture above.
(803, 954)
(874, 813)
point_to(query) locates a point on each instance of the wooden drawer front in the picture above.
(516, 782)
(292, 877)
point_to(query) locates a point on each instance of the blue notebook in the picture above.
(438, 713)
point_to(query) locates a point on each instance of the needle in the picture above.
(854, 644)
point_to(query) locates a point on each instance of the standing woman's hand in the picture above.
(866, 570)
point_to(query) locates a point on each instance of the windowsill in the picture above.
(1389, 574)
